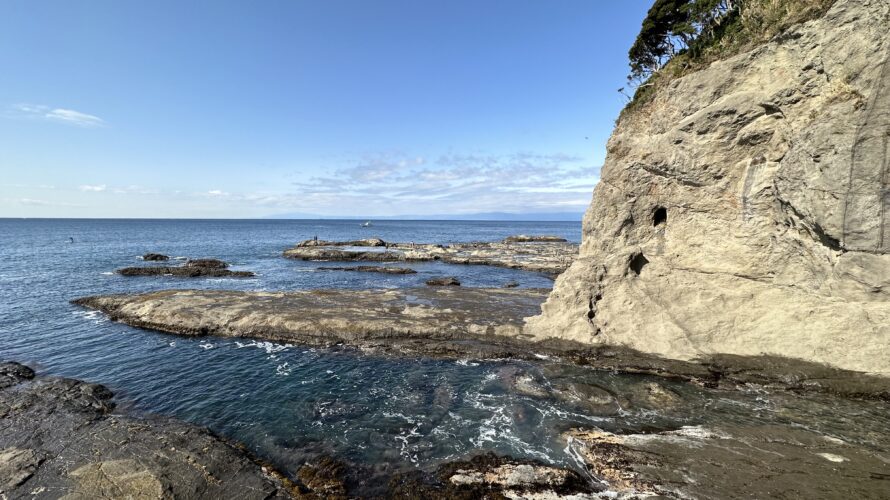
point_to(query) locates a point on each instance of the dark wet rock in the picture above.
(546, 257)
(324, 477)
(371, 269)
(447, 281)
(193, 268)
(12, 373)
(524, 238)
(183, 271)
(60, 438)
(368, 242)
(492, 476)
(207, 263)
(511, 284)
(154, 257)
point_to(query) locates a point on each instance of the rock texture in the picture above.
(60, 439)
(552, 257)
(438, 320)
(734, 461)
(742, 210)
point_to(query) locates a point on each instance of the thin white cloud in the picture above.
(453, 183)
(75, 117)
(217, 192)
(58, 115)
(46, 203)
(98, 188)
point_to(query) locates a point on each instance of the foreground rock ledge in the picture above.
(59, 438)
(732, 461)
(422, 320)
(447, 322)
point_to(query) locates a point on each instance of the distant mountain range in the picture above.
(492, 216)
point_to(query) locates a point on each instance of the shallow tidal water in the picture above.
(289, 402)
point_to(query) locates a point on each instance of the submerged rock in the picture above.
(60, 439)
(589, 398)
(371, 269)
(149, 257)
(447, 281)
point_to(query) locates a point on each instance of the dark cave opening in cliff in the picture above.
(637, 263)
(660, 216)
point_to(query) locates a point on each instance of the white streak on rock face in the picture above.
(742, 210)
(831, 457)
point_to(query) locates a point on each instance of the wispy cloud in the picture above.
(47, 203)
(458, 183)
(58, 115)
(93, 188)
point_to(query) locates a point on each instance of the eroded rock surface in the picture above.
(552, 257)
(428, 320)
(492, 476)
(60, 439)
(741, 210)
(734, 461)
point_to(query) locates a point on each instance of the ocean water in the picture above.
(289, 402)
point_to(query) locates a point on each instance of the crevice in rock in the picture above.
(812, 227)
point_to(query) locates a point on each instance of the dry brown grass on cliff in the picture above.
(757, 22)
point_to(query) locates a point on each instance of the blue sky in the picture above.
(334, 107)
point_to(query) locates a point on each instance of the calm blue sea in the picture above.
(289, 402)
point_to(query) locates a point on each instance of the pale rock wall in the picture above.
(772, 167)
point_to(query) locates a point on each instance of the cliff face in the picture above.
(742, 210)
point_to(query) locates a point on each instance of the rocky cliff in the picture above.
(742, 209)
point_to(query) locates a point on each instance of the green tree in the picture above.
(672, 27)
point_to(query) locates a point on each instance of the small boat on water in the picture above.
(367, 224)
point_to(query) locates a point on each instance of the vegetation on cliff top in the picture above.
(679, 37)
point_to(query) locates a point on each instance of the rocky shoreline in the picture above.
(448, 322)
(61, 438)
(545, 254)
